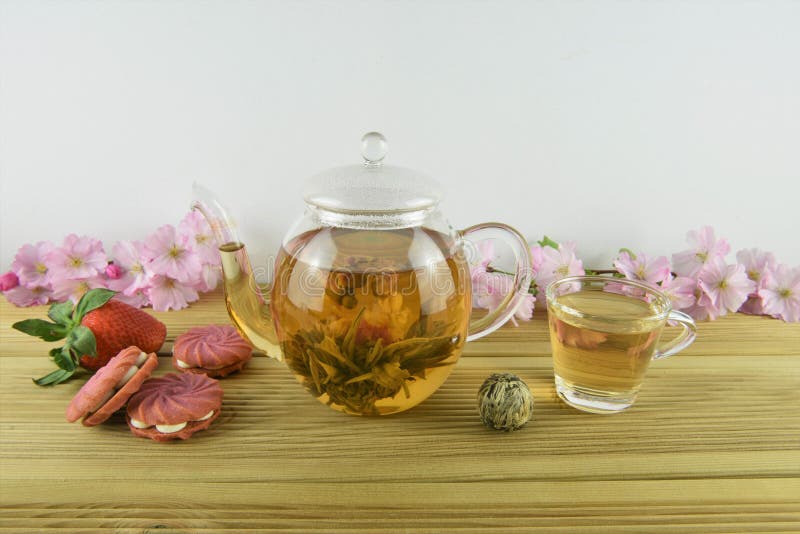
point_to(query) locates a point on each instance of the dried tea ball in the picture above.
(505, 402)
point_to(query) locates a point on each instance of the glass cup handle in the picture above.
(684, 339)
(522, 275)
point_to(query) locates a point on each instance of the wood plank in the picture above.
(712, 445)
(645, 506)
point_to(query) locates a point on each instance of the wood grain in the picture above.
(712, 445)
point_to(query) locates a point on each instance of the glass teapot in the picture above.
(371, 299)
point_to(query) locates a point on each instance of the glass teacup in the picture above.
(604, 332)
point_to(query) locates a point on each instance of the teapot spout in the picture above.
(247, 305)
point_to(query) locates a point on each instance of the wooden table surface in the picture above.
(712, 445)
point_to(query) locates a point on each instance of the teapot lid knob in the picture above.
(373, 148)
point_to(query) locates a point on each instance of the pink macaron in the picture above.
(111, 386)
(213, 350)
(174, 406)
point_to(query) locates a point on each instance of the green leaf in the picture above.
(60, 313)
(93, 299)
(82, 341)
(547, 242)
(56, 377)
(40, 328)
(63, 359)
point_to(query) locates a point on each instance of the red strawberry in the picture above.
(117, 326)
(96, 330)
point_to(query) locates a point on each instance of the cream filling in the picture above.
(168, 429)
(124, 380)
(183, 365)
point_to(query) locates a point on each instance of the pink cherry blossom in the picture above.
(113, 271)
(705, 247)
(753, 306)
(137, 299)
(129, 257)
(210, 276)
(166, 293)
(537, 258)
(703, 307)
(525, 308)
(726, 285)
(781, 294)
(30, 265)
(680, 291)
(8, 281)
(642, 268)
(24, 296)
(756, 263)
(170, 255)
(489, 289)
(77, 257)
(195, 229)
(74, 288)
(557, 264)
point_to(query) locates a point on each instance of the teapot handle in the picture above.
(521, 281)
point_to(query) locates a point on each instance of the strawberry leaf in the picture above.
(56, 377)
(91, 300)
(40, 328)
(60, 313)
(63, 359)
(82, 340)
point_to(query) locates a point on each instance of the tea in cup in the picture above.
(604, 333)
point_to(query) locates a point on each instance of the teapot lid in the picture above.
(372, 186)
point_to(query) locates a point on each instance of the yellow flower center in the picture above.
(200, 238)
(754, 275)
(136, 268)
(76, 262)
(702, 256)
(41, 268)
(169, 282)
(785, 293)
(723, 284)
(174, 252)
(563, 270)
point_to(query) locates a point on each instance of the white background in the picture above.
(609, 123)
